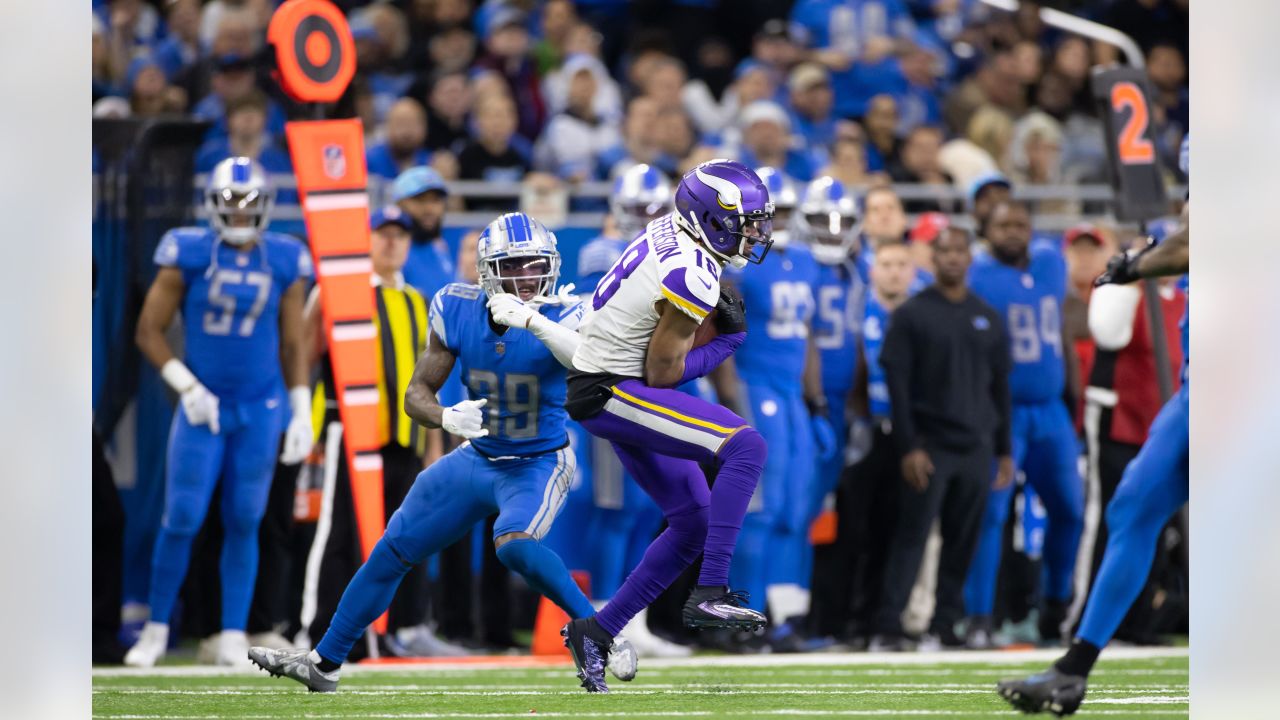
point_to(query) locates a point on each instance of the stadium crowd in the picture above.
(869, 94)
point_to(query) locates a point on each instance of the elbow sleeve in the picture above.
(1111, 315)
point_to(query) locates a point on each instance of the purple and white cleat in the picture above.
(589, 644)
(716, 606)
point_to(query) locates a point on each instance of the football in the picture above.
(707, 330)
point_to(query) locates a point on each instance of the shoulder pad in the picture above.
(462, 290)
(185, 247)
(692, 289)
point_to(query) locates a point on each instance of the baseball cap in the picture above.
(389, 215)
(501, 16)
(764, 110)
(1083, 231)
(779, 29)
(928, 227)
(415, 181)
(984, 180)
(806, 75)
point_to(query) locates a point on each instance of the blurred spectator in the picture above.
(918, 100)
(1071, 61)
(883, 219)
(812, 102)
(181, 48)
(558, 19)
(663, 81)
(991, 129)
(382, 39)
(985, 192)
(848, 162)
(715, 66)
(468, 272)
(857, 41)
(927, 229)
(919, 163)
(751, 82)
(766, 140)
(1035, 158)
(131, 28)
(674, 137)
(404, 143)
(965, 161)
(111, 107)
(607, 98)
(232, 80)
(1027, 61)
(149, 93)
(420, 193)
(579, 133)
(506, 51)
(212, 15)
(1170, 111)
(237, 34)
(490, 155)
(583, 38)
(246, 137)
(1084, 152)
(1087, 248)
(881, 126)
(452, 49)
(101, 78)
(778, 45)
(639, 138)
(994, 84)
(448, 97)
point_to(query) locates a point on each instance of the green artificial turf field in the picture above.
(1126, 684)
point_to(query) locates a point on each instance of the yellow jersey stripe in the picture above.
(671, 413)
(687, 306)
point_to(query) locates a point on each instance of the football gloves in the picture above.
(731, 313)
(465, 419)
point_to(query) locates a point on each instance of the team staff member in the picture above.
(946, 433)
(401, 322)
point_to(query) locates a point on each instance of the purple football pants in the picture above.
(661, 435)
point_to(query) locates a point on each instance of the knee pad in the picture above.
(183, 519)
(747, 446)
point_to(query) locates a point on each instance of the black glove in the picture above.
(731, 313)
(1122, 268)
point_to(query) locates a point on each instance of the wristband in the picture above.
(300, 400)
(177, 376)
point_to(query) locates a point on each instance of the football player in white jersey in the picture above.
(636, 347)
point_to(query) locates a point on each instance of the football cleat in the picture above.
(623, 659)
(233, 650)
(297, 665)
(589, 646)
(150, 646)
(1050, 691)
(716, 606)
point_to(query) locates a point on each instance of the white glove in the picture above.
(199, 405)
(564, 296)
(859, 444)
(465, 419)
(298, 435)
(507, 309)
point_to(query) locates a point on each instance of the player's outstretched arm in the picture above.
(670, 344)
(1172, 256)
(429, 375)
(561, 339)
(296, 368)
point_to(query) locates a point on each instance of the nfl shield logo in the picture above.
(335, 161)
(500, 348)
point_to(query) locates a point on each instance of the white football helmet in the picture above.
(239, 200)
(640, 194)
(827, 219)
(517, 254)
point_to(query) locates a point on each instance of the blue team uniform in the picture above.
(779, 301)
(231, 313)
(1044, 442)
(521, 470)
(875, 323)
(1154, 485)
(840, 296)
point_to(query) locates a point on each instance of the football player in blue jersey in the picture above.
(516, 461)
(782, 396)
(240, 290)
(1026, 284)
(1154, 486)
(622, 518)
(827, 221)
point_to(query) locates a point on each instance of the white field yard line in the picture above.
(637, 714)
(1094, 689)
(547, 693)
(823, 660)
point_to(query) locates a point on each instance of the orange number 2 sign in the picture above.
(1134, 148)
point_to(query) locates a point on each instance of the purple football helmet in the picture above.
(726, 206)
